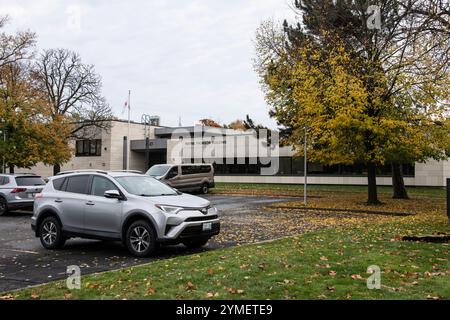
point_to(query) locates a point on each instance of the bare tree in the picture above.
(16, 47)
(74, 91)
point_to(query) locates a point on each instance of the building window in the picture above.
(295, 167)
(88, 148)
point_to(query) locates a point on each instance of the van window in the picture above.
(187, 170)
(77, 184)
(158, 170)
(172, 173)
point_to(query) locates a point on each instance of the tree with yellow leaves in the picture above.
(367, 94)
(32, 136)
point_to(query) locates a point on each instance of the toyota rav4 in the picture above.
(136, 209)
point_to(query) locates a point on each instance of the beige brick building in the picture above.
(107, 150)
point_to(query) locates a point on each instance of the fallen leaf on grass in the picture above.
(190, 286)
(235, 291)
(332, 273)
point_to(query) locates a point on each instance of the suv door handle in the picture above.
(90, 203)
(58, 201)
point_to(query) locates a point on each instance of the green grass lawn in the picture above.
(328, 264)
(297, 189)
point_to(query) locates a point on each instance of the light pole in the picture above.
(3, 132)
(305, 191)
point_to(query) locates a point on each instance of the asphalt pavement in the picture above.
(24, 262)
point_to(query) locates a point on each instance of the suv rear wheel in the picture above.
(195, 244)
(50, 233)
(3, 206)
(141, 239)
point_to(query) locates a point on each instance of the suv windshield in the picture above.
(145, 186)
(159, 170)
(29, 181)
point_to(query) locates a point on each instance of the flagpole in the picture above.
(129, 124)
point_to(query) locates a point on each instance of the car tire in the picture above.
(3, 206)
(196, 244)
(50, 234)
(141, 239)
(204, 189)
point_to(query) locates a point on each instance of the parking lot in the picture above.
(23, 261)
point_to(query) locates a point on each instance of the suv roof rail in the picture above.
(81, 171)
(130, 171)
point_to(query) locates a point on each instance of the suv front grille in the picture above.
(201, 218)
(197, 231)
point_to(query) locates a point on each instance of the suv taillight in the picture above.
(39, 196)
(18, 190)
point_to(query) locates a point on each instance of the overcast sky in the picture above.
(181, 58)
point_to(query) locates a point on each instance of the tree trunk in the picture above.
(11, 169)
(372, 184)
(56, 169)
(398, 183)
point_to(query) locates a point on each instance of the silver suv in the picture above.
(17, 191)
(133, 208)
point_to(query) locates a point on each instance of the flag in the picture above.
(125, 107)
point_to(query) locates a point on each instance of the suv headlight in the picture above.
(169, 209)
(212, 210)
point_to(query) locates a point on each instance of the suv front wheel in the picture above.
(50, 233)
(141, 239)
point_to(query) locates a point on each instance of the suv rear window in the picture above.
(77, 184)
(29, 181)
(195, 169)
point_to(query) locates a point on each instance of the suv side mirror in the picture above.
(113, 194)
